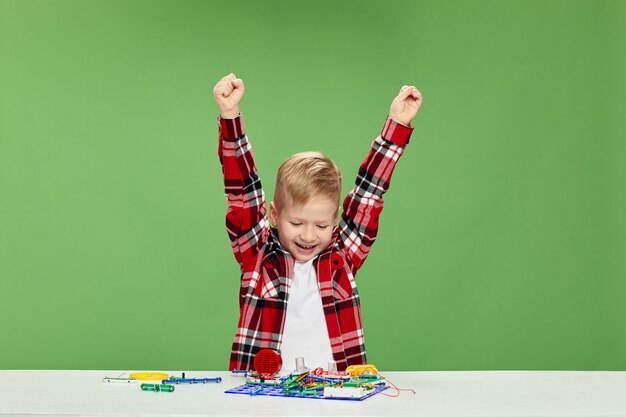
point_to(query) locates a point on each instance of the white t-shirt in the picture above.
(305, 333)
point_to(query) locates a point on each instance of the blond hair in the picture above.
(306, 175)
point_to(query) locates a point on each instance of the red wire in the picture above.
(397, 394)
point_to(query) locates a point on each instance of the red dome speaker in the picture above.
(267, 363)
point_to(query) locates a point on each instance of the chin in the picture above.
(304, 258)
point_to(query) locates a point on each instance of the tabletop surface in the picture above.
(481, 393)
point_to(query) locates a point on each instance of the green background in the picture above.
(502, 243)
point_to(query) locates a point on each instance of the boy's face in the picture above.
(305, 231)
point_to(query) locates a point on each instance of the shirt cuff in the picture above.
(232, 129)
(396, 132)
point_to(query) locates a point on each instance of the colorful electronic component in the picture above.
(357, 383)
(191, 380)
(267, 363)
(119, 380)
(330, 374)
(149, 376)
(293, 380)
(277, 391)
(158, 387)
(300, 366)
(345, 392)
(243, 372)
(358, 370)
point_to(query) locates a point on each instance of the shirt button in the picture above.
(336, 261)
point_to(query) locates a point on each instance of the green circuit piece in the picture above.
(266, 382)
(157, 387)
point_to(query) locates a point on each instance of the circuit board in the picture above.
(277, 391)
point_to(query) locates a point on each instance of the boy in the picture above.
(298, 294)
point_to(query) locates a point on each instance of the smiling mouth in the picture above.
(306, 247)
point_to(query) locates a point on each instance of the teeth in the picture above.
(304, 246)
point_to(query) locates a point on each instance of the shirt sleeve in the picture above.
(358, 225)
(246, 220)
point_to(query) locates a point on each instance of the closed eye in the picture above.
(296, 223)
(323, 227)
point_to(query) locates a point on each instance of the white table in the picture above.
(511, 393)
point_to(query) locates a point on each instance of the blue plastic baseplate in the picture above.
(277, 391)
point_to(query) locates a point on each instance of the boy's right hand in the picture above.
(228, 93)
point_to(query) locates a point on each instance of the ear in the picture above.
(273, 213)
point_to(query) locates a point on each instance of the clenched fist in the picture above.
(228, 93)
(405, 106)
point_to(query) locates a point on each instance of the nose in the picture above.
(307, 234)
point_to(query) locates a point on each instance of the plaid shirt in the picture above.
(267, 268)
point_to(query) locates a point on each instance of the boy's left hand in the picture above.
(406, 105)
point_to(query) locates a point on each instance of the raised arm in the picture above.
(246, 221)
(362, 206)
(228, 93)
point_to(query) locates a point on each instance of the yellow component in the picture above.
(149, 376)
(358, 370)
(302, 376)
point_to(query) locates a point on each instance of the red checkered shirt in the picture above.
(267, 268)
